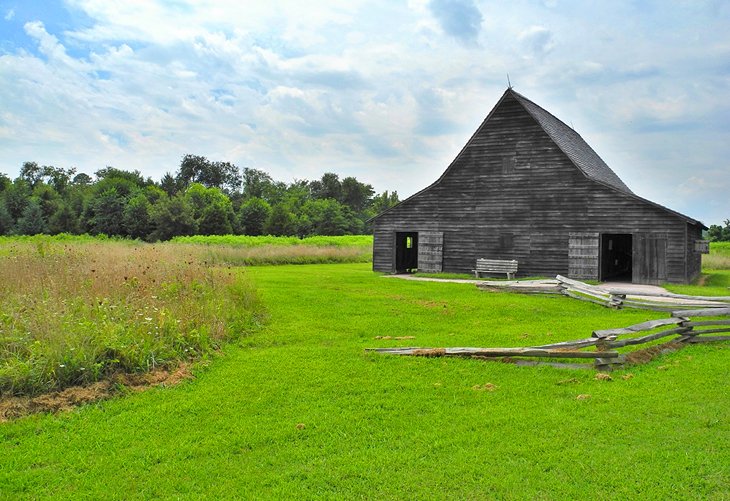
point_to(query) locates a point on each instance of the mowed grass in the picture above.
(299, 410)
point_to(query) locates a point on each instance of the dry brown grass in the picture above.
(716, 261)
(281, 254)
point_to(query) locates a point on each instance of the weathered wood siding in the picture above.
(583, 256)
(513, 194)
(430, 252)
(694, 258)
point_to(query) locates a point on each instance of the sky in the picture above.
(385, 91)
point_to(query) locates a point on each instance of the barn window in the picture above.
(523, 155)
(508, 164)
(522, 163)
(506, 241)
(409, 242)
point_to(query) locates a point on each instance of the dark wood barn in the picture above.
(527, 187)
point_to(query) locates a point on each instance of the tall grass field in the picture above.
(75, 311)
(242, 250)
(294, 407)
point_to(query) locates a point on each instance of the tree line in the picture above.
(202, 197)
(717, 233)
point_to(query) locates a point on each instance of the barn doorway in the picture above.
(616, 257)
(406, 252)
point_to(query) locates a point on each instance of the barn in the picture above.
(527, 187)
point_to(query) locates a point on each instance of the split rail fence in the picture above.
(685, 327)
(618, 298)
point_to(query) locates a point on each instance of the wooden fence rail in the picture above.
(605, 341)
(620, 298)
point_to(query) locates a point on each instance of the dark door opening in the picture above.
(616, 257)
(406, 252)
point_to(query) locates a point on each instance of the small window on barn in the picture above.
(523, 162)
(702, 246)
(508, 164)
(506, 241)
(409, 242)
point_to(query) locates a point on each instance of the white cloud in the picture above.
(460, 19)
(372, 89)
(538, 40)
(10, 14)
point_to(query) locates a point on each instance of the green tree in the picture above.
(281, 222)
(253, 216)
(324, 217)
(198, 169)
(168, 184)
(64, 220)
(383, 202)
(58, 177)
(104, 213)
(257, 184)
(201, 198)
(4, 182)
(172, 217)
(31, 173)
(216, 220)
(32, 221)
(48, 198)
(82, 179)
(135, 177)
(6, 220)
(355, 194)
(717, 233)
(137, 221)
(16, 197)
(327, 187)
(153, 193)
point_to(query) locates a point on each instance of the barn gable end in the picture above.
(524, 187)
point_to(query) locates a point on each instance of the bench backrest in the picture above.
(497, 265)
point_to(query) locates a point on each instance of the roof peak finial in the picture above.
(509, 84)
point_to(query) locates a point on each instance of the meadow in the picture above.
(296, 408)
(77, 309)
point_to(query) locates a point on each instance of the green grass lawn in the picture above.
(299, 410)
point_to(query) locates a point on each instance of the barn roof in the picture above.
(576, 149)
(570, 143)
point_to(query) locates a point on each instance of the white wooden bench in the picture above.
(496, 266)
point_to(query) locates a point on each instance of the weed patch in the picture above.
(74, 314)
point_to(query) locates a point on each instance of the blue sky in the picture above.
(384, 91)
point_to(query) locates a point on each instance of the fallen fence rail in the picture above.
(645, 300)
(605, 341)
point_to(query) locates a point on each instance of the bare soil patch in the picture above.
(69, 398)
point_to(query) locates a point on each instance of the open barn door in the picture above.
(650, 259)
(406, 251)
(583, 256)
(430, 252)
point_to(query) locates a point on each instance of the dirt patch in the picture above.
(650, 353)
(432, 304)
(702, 281)
(69, 398)
(436, 352)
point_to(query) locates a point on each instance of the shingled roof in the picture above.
(570, 142)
